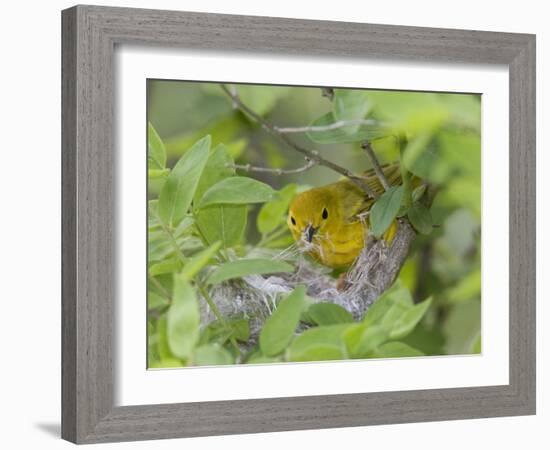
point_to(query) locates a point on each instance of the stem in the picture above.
(376, 165)
(312, 155)
(332, 126)
(250, 168)
(205, 242)
(161, 288)
(218, 314)
(174, 242)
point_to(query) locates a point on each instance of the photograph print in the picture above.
(290, 224)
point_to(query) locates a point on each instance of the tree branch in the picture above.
(250, 168)
(376, 165)
(332, 126)
(312, 155)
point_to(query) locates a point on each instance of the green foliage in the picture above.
(198, 261)
(179, 188)
(279, 328)
(225, 223)
(156, 151)
(328, 336)
(208, 227)
(273, 213)
(236, 191)
(350, 105)
(385, 210)
(212, 355)
(328, 314)
(244, 267)
(183, 319)
(420, 218)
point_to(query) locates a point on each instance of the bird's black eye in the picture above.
(325, 213)
(292, 220)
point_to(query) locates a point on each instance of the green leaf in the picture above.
(243, 267)
(217, 168)
(179, 188)
(212, 355)
(427, 339)
(321, 352)
(328, 335)
(154, 174)
(395, 350)
(155, 148)
(350, 104)
(279, 328)
(420, 218)
(240, 329)
(162, 344)
(237, 191)
(225, 223)
(273, 213)
(183, 319)
(408, 320)
(419, 192)
(363, 338)
(395, 295)
(198, 261)
(328, 314)
(167, 266)
(346, 134)
(155, 300)
(385, 210)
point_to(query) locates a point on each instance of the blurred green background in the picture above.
(444, 138)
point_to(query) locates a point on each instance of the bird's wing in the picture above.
(354, 200)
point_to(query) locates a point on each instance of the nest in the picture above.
(254, 297)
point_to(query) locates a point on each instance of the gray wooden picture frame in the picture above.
(90, 34)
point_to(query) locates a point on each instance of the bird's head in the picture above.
(311, 214)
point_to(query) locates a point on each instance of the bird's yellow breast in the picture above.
(331, 222)
(342, 247)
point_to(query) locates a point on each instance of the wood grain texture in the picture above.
(89, 205)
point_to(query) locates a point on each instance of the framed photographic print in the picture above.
(278, 224)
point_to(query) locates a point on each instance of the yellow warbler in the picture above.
(329, 222)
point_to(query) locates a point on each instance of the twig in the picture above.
(218, 315)
(312, 155)
(250, 168)
(332, 126)
(376, 165)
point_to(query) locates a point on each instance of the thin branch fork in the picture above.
(376, 165)
(311, 155)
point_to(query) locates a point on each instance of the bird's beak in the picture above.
(309, 232)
